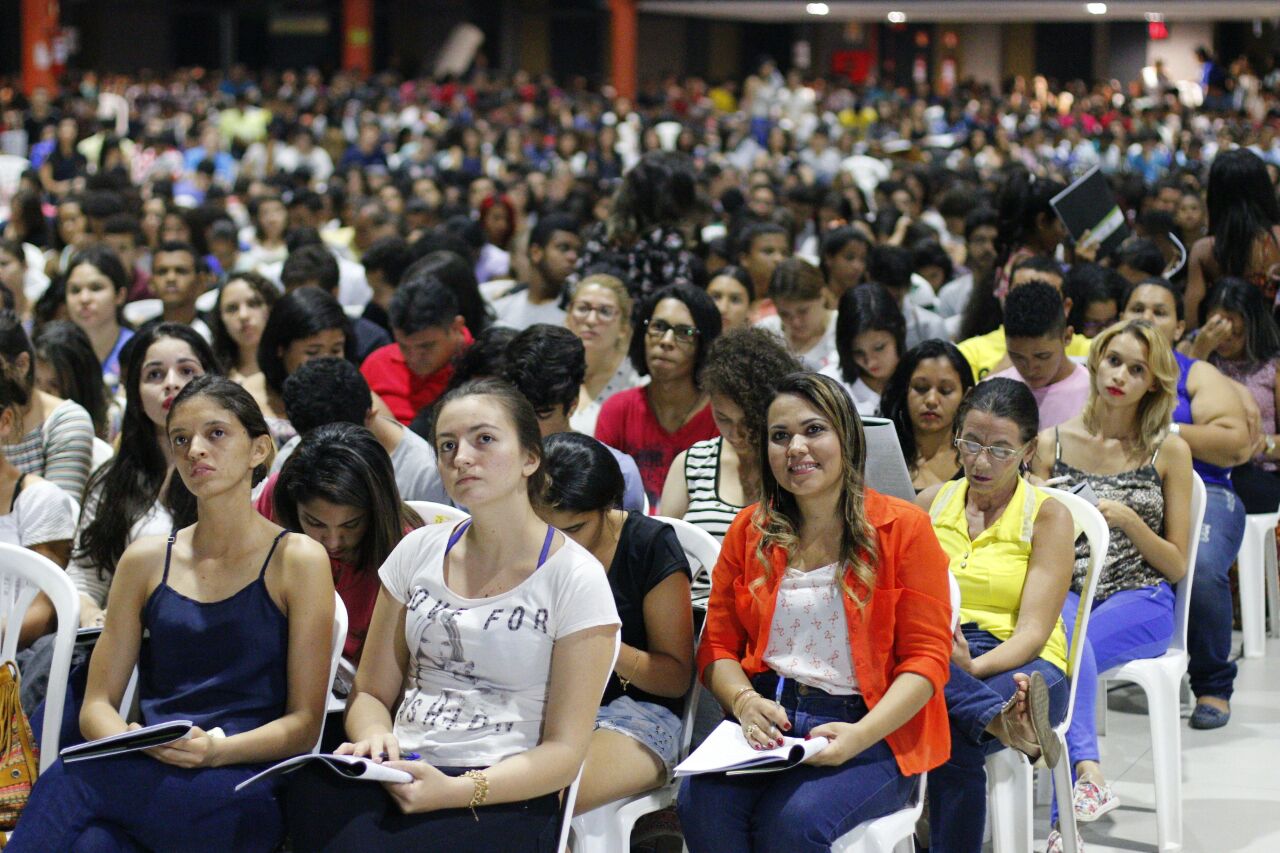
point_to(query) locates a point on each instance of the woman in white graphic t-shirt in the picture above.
(484, 663)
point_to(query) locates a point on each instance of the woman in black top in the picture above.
(637, 739)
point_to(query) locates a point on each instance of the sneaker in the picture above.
(1055, 842)
(1092, 801)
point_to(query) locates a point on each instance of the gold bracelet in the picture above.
(745, 691)
(480, 792)
(626, 682)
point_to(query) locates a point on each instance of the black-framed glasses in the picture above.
(684, 334)
(998, 454)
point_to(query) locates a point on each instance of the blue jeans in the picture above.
(801, 810)
(1212, 671)
(1130, 625)
(958, 789)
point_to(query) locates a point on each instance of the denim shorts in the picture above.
(653, 725)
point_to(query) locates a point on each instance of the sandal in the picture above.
(1045, 750)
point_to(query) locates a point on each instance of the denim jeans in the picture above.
(958, 789)
(1212, 671)
(801, 810)
(1128, 625)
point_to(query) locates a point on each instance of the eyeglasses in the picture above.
(998, 454)
(657, 330)
(583, 310)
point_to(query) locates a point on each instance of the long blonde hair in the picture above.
(1156, 409)
(778, 515)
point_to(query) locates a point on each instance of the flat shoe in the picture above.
(1209, 717)
(1045, 750)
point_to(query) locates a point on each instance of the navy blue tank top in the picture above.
(219, 663)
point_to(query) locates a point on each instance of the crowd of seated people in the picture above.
(292, 307)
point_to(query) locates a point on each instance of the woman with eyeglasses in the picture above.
(600, 315)
(672, 332)
(1010, 549)
(1140, 471)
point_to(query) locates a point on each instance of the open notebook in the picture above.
(347, 766)
(726, 751)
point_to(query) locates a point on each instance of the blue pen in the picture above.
(408, 756)
(777, 693)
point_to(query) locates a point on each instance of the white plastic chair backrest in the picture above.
(338, 640)
(102, 454)
(23, 574)
(1182, 589)
(1089, 521)
(436, 513)
(955, 601)
(690, 716)
(700, 547)
(571, 796)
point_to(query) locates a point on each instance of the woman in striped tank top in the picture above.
(712, 481)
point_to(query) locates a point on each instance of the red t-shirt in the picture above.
(404, 392)
(627, 423)
(358, 590)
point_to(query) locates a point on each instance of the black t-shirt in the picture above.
(648, 553)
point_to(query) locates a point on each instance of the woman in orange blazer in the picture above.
(829, 616)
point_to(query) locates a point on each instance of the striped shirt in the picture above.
(60, 450)
(706, 509)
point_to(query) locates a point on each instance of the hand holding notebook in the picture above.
(726, 750)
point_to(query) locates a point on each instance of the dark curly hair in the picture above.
(744, 365)
(706, 319)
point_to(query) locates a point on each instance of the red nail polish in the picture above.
(808, 737)
(786, 727)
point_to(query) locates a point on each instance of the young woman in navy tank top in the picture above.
(240, 614)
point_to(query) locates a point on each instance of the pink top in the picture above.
(1062, 400)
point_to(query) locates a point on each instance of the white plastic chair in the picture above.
(1009, 774)
(1161, 679)
(1256, 563)
(437, 513)
(339, 640)
(892, 833)
(102, 454)
(700, 547)
(24, 574)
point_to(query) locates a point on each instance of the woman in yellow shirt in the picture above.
(1011, 553)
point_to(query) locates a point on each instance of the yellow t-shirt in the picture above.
(992, 569)
(984, 352)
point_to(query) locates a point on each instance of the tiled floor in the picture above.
(1231, 777)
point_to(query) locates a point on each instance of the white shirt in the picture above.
(85, 575)
(865, 400)
(42, 513)
(476, 687)
(809, 637)
(817, 356)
